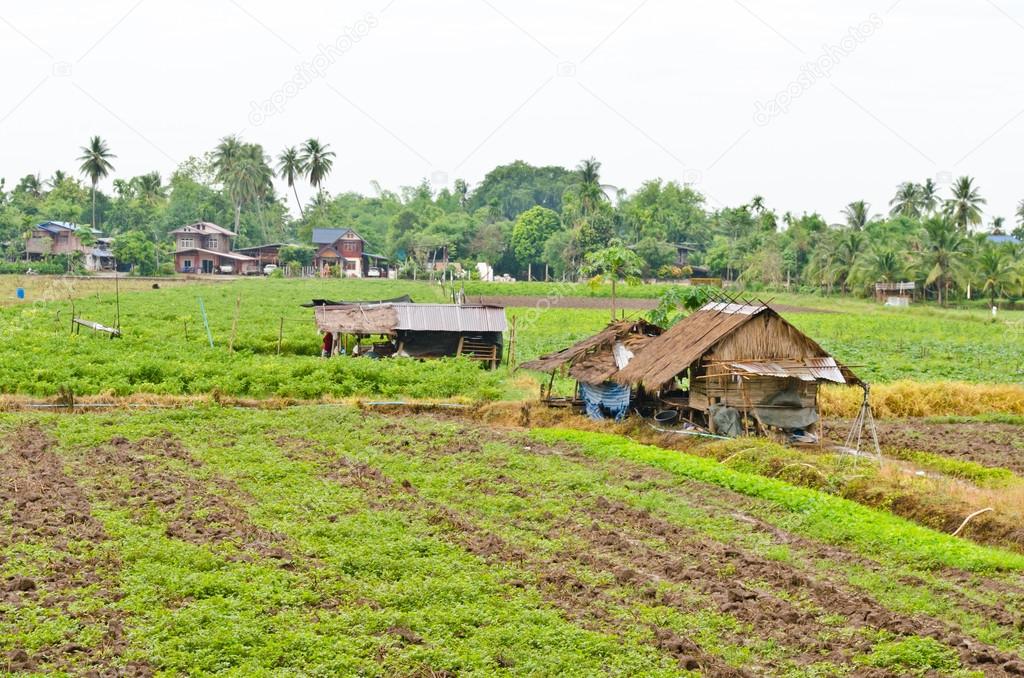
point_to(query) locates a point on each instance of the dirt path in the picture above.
(601, 303)
(51, 511)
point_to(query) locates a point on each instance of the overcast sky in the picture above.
(810, 104)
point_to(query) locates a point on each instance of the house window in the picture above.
(212, 243)
(186, 243)
(187, 264)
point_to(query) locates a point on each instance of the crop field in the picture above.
(165, 349)
(328, 540)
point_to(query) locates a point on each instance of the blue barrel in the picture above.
(20, 292)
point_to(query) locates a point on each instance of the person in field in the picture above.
(328, 345)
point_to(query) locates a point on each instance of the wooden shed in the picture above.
(737, 362)
(420, 330)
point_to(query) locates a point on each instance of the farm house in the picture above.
(736, 368)
(418, 330)
(593, 362)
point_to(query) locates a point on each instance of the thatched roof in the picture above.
(593, 360)
(737, 335)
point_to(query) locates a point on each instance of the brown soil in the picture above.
(50, 508)
(546, 302)
(986, 444)
(644, 553)
(194, 512)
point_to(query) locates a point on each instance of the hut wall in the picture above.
(438, 344)
(747, 391)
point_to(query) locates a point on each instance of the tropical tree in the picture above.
(943, 256)
(907, 201)
(614, 262)
(317, 162)
(964, 208)
(880, 264)
(96, 165)
(995, 271)
(290, 168)
(531, 231)
(929, 197)
(589, 189)
(149, 188)
(857, 215)
(244, 171)
(1020, 212)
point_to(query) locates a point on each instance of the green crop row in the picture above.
(811, 512)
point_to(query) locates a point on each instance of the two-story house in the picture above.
(203, 247)
(345, 248)
(60, 237)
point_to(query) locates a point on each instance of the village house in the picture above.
(345, 248)
(52, 238)
(203, 247)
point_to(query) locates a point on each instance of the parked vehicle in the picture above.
(269, 268)
(373, 272)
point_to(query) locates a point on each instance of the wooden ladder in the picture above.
(478, 350)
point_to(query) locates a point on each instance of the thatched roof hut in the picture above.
(729, 364)
(593, 360)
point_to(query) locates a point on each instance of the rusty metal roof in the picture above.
(450, 318)
(808, 369)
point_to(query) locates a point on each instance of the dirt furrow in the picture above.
(51, 510)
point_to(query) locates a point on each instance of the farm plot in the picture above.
(329, 540)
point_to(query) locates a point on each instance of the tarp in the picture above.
(727, 420)
(785, 410)
(608, 397)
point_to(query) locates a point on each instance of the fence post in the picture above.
(206, 321)
(234, 325)
(280, 335)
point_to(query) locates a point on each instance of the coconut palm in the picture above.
(929, 197)
(881, 264)
(1020, 212)
(589, 188)
(290, 168)
(857, 214)
(996, 225)
(244, 171)
(944, 253)
(964, 208)
(907, 201)
(58, 178)
(995, 271)
(317, 162)
(96, 165)
(149, 188)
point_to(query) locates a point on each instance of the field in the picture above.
(250, 508)
(165, 349)
(324, 540)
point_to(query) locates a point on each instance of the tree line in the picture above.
(547, 220)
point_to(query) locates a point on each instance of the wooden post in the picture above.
(280, 335)
(458, 351)
(234, 325)
(529, 273)
(186, 330)
(206, 321)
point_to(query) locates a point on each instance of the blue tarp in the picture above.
(605, 400)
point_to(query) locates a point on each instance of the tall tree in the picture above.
(929, 197)
(96, 165)
(589, 188)
(994, 270)
(907, 201)
(317, 162)
(964, 208)
(857, 215)
(290, 168)
(943, 256)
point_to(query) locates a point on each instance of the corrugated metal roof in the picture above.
(326, 236)
(450, 318)
(809, 369)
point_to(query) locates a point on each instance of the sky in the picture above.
(809, 104)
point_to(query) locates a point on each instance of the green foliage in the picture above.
(676, 302)
(136, 249)
(531, 231)
(913, 656)
(810, 512)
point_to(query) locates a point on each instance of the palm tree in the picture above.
(317, 162)
(95, 165)
(846, 255)
(944, 253)
(1020, 212)
(57, 179)
(964, 208)
(589, 187)
(995, 271)
(244, 171)
(856, 214)
(996, 227)
(290, 168)
(907, 201)
(615, 261)
(929, 197)
(149, 188)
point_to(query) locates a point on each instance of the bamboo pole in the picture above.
(234, 325)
